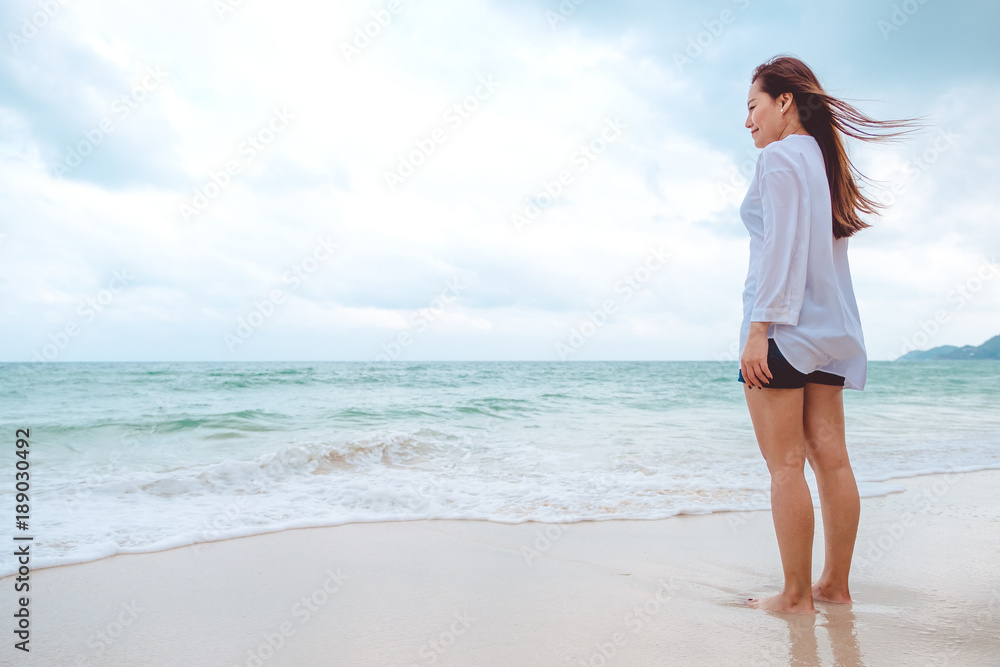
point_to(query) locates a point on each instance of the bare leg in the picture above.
(826, 449)
(777, 416)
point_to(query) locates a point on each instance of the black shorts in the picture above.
(784, 375)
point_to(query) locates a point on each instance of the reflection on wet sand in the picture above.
(803, 650)
(841, 627)
(840, 624)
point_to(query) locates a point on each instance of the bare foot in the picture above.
(783, 605)
(825, 593)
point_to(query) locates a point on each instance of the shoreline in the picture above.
(250, 535)
(476, 592)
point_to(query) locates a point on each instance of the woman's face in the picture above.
(765, 119)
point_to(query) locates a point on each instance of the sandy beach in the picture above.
(926, 583)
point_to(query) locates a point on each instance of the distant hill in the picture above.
(988, 350)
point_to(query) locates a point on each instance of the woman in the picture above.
(801, 339)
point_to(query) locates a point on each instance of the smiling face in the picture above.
(765, 118)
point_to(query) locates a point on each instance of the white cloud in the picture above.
(674, 176)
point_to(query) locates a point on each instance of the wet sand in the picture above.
(926, 584)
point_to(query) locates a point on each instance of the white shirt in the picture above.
(799, 277)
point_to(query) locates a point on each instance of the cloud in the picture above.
(535, 160)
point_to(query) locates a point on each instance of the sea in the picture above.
(140, 457)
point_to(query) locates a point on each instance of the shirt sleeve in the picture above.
(781, 278)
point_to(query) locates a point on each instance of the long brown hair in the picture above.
(825, 117)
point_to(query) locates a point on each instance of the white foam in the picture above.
(391, 476)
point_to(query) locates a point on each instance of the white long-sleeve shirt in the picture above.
(799, 278)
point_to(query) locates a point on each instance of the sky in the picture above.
(240, 180)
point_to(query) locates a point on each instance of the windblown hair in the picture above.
(825, 117)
